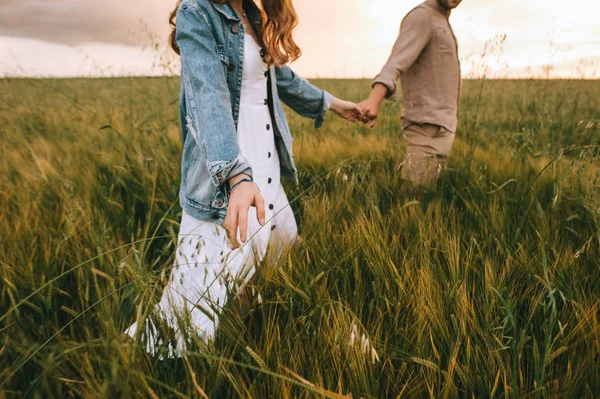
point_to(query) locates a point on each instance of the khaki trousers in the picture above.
(427, 153)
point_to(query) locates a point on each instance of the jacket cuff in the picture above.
(327, 100)
(222, 171)
(390, 83)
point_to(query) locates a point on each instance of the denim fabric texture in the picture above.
(211, 39)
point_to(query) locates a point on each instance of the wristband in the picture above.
(245, 179)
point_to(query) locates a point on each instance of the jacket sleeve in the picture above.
(209, 114)
(301, 96)
(415, 33)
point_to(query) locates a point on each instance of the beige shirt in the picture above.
(425, 57)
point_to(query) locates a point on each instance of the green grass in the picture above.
(488, 287)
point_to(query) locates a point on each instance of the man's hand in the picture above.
(370, 110)
(243, 196)
(347, 110)
(370, 107)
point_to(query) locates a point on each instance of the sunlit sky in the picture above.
(339, 38)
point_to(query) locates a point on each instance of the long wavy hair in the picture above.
(279, 19)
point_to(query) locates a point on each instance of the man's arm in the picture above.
(415, 33)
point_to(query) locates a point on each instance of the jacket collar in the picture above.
(253, 12)
(226, 10)
(436, 6)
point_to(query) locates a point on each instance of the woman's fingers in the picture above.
(243, 223)
(242, 198)
(232, 226)
(357, 110)
(348, 110)
(259, 203)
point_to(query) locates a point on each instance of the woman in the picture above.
(236, 145)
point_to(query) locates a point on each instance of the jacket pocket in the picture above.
(195, 175)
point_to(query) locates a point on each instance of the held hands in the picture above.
(347, 110)
(244, 195)
(370, 107)
(370, 110)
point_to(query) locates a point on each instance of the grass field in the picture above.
(488, 287)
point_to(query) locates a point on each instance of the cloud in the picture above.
(76, 22)
(340, 38)
(529, 20)
(31, 57)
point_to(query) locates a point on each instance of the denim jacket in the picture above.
(211, 39)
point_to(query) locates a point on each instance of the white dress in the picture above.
(206, 270)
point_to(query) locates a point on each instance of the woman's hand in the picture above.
(347, 110)
(243, 196)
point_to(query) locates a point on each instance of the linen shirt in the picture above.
(425, 58)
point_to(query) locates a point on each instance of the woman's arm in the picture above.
(208, 103)
(209, 115)
(310, 101)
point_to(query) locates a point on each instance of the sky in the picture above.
(339, 38)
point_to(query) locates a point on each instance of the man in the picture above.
(425, 57)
